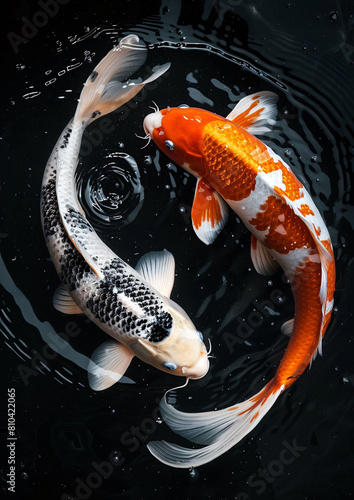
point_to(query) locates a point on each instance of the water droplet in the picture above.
(182, 210)
(287, 152)
(20, 66)
(121, 144)
(345, 380)
(314, 158)
(334, 16)
(24, 475)
(115, 457)
(159, 420)
(193, 474)
(147, 160)
(270, 283)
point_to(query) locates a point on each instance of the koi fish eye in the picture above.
(170, 145)
(183, 106)
(170, 366)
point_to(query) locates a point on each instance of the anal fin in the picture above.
(262, 260)
(209, 212)
(287, 327)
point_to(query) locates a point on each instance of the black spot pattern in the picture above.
(102, 296)
(93, 76)
(66, 138)
(50, 210)
(156, 323)
(75, 219)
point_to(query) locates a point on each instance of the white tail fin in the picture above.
(104, 91)
(218, 430)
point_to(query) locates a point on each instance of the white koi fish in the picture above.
(235, 168)
(132, 306)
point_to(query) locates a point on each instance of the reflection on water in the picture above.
(139, 201)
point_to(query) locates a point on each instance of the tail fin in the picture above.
(218, 430)
(104, 91)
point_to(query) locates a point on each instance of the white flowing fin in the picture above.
(63, 301)
(218, 430)
(261, 258)
(255, 113)
(158, 269)
(209, 212)
(103, 92)
(287, 327)
(108, 364)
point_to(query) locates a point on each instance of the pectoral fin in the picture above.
(262, 260)
(108, 364)
(158, 269)
(209, 212)
(63, 301)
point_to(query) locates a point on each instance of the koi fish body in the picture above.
(234, 168)
(133, 306)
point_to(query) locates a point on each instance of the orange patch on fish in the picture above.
(234, 158)
(306, 210)
(284, 236)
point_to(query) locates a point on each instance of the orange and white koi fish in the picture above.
(235, 168)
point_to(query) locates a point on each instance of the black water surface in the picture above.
(75, 443)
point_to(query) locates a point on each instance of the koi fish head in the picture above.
(182, 353)
(178, 133)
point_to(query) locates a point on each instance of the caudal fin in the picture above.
(106, 89)
(217, 430)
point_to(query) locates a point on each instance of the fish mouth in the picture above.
(152, 121)
(200, 369)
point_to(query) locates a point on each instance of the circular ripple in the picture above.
(110, 189)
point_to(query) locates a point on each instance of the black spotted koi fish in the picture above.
(132, 305)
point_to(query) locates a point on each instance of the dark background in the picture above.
(74, 443)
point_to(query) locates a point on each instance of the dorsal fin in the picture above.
(255, 113)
